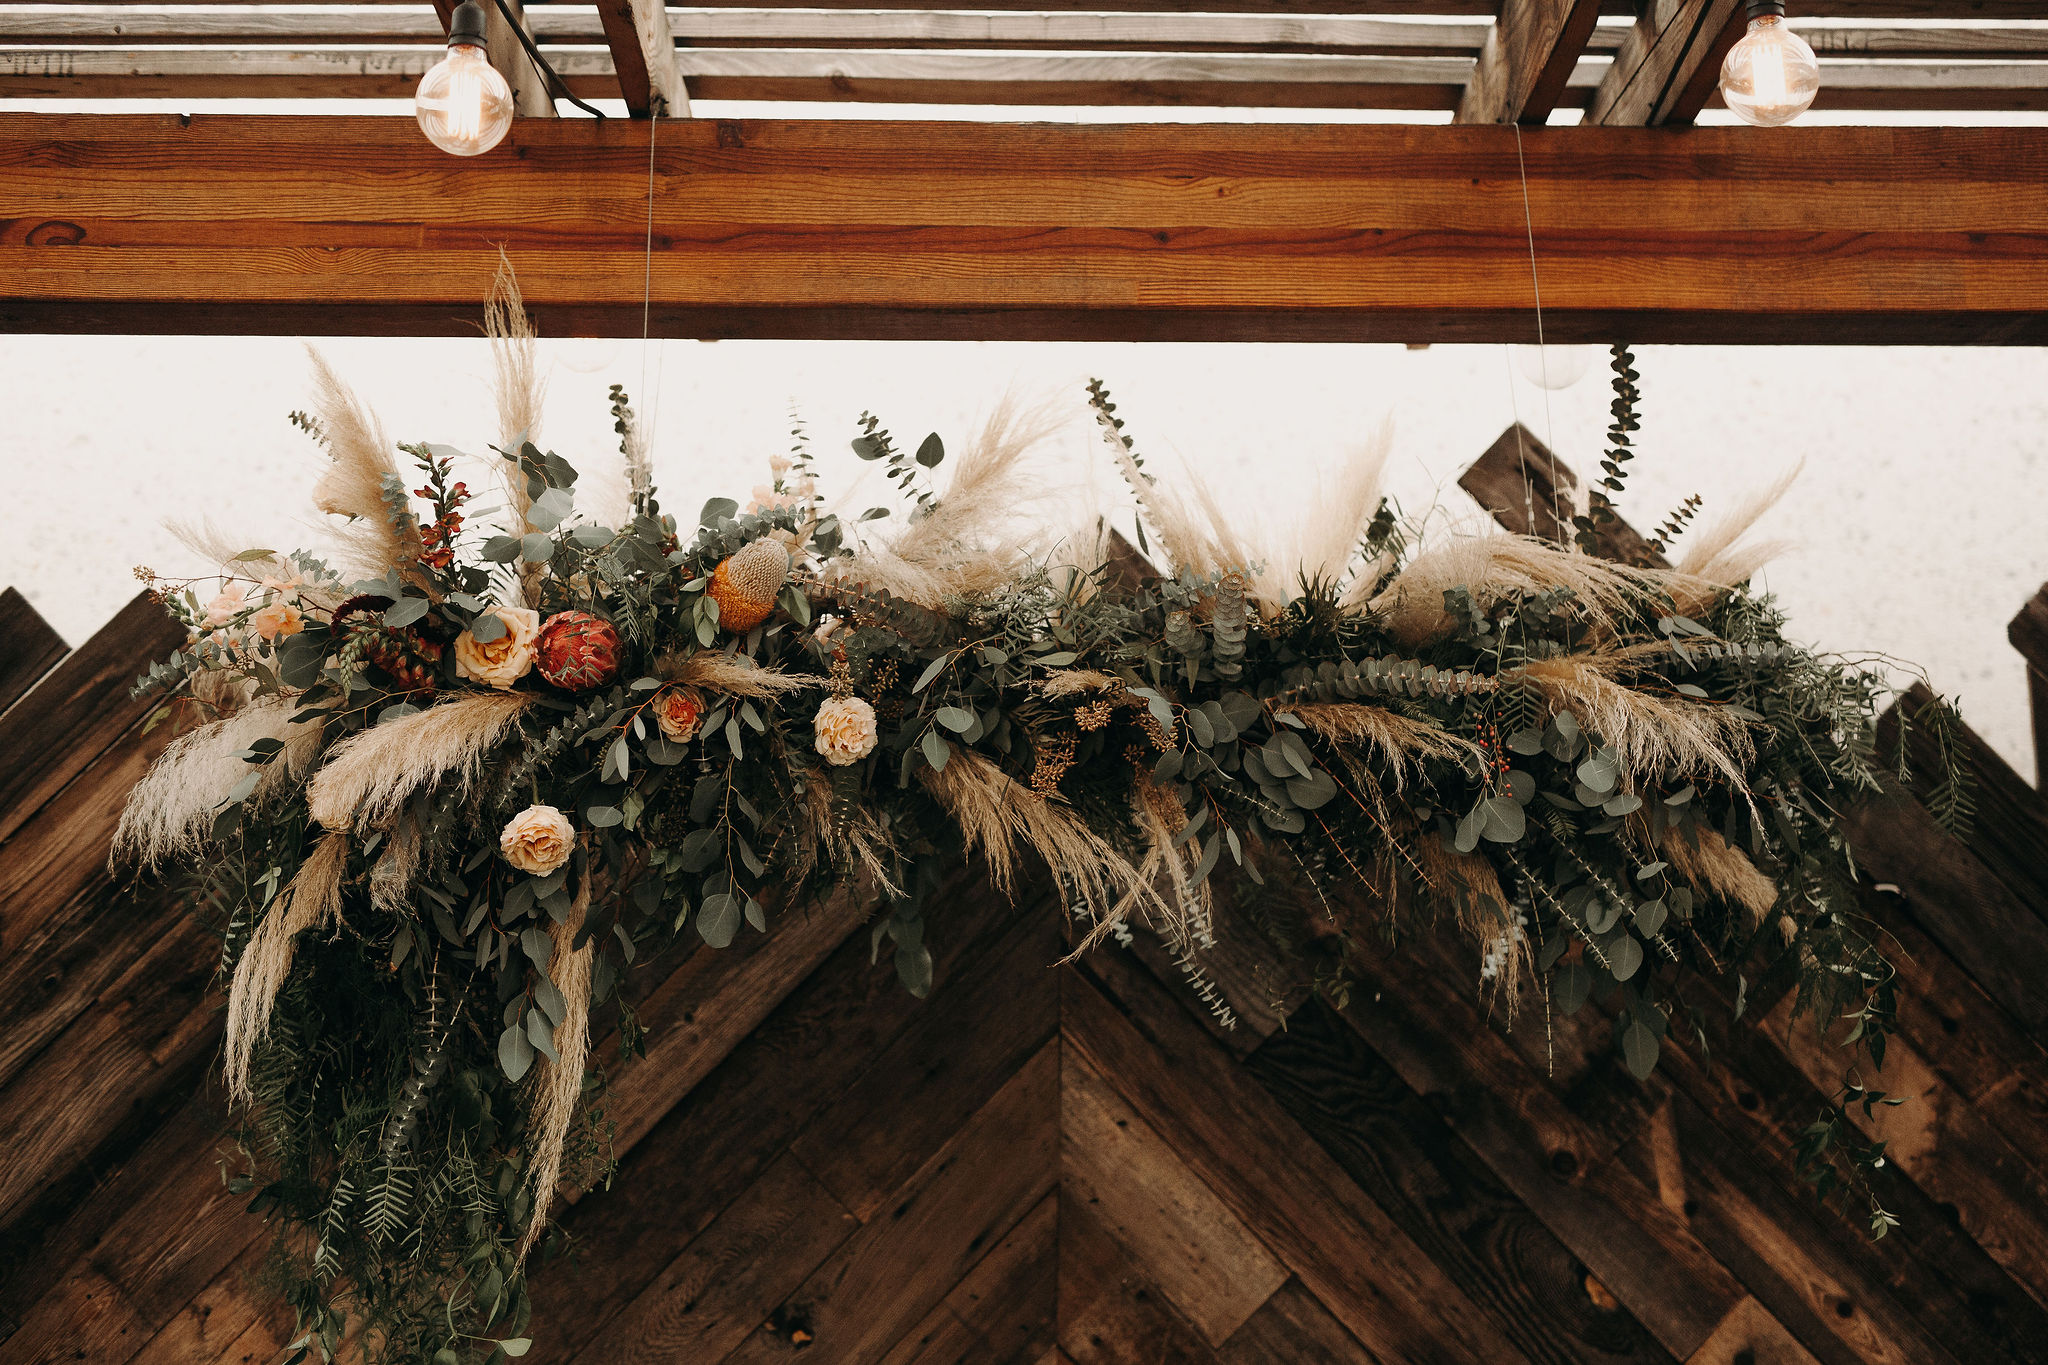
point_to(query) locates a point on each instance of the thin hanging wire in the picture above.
(650, 400)
(1542, 353)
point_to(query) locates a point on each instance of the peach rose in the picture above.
(845, 729)
(505, 660)
(224, 608)
(679, 711)
(537, 840)
(277, 618)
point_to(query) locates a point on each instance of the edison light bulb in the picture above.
(1553, 367)
(1769, 77)
(464, 106)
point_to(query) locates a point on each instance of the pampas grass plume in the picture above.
(369, 776)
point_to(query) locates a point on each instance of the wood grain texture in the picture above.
(1286, 1189)
(57, 730)
(32, 647)
(1177, 1232)
(1238, 232)
(1667, 66)
(643, 49)
(1529, 54)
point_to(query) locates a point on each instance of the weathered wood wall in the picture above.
(1067, 1165)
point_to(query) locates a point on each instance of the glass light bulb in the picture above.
(1553, 367)
(464, 106)
(1769, 77)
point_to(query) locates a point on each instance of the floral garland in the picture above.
(444, 799)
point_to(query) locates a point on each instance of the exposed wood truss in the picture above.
(1541, 55)
(897, 229)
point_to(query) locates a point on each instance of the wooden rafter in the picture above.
(1530, 54)
(811, 228)
(1666, 68)
(643, 52)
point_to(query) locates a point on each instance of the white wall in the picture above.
(1918, 523)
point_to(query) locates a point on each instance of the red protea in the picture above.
(577, 651)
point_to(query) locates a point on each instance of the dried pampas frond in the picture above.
(850, 836)
(369, 776)
(170, 811)
(1000, 817)
(735, 675)
(1402, 744)
(1652, 736)
(353, 485)
(312, 900)
(516, 382)
(559, 1084)
(1492, 567)
(977, 537)
(391, 876)
(1706, 861)
(1077, 682)
(1720, 557)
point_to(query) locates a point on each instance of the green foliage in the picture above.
(1184, 724)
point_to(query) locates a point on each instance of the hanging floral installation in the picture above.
(446, 786)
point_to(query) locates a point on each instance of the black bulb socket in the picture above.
(466, 26)
(1759, 8)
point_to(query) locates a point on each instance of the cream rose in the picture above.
(277, 618)
(505, 660)
(845, 728)
(679, 711)
(537, 840)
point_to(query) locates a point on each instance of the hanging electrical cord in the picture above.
(561, 87)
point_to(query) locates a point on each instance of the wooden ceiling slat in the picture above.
(309, 225)
(1481, 9)
(953, 76)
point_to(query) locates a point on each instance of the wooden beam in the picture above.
(809, 228)
(644, 55)
(1925, 10)
(530, 95)
(1528, 56)
(1668, 65)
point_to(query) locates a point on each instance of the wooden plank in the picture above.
(1750, 1336)
(1939, 1140)
(1975, 10)
(1961, 904)
(1002, 1312)
(1225, 231)
(707, 1300)
(1530, 492)
(2029, 635)
(690, 1160)
(2009, 831)
(82, 706)
(1757, 1097)
(1402, 1153)
(1529, 54)
(1292, 1327)
(1179, 1235)
(644, 57)
(1821, 1280)
(32, 647)
(1109, 1314)
(973, 1191)
(502, 26)
(1284, 1187)
(1668, 65)
(966, 1042)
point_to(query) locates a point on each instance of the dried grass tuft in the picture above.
(1492, 567)
(1707, 861)
(369, 776)
(733, 674)
(1077, 682)
(170, 811)
(558, 1086)
(311, 901)
(1401, 743)
(849, 837)
(1653, 737)
(353, 485)
(1721, 556)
